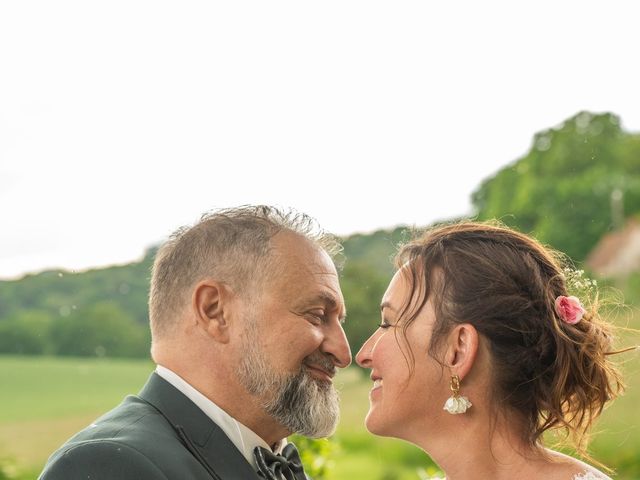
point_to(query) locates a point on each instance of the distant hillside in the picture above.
(60, 292)
(67, 313)
(375, 249)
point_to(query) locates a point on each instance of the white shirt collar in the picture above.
(240, 435)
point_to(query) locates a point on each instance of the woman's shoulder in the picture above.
(571, 468)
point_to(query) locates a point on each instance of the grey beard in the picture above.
(299, 402)
(305, 406)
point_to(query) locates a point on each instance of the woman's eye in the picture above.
(384, 325)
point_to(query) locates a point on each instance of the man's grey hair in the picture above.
(231, 245)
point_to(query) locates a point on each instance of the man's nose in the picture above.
(336, 345)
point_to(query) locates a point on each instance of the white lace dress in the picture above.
(589, 475)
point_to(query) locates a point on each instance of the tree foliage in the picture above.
(363, 287)
(58, 292)
(565, 189)
(100, 330)
(27, 332)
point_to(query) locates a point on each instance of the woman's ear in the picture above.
(211, 305)
(462, 347)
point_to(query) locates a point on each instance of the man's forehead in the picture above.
(306, 260)
(290, 244)
(316, 283)
(322, 296)
(302, 262)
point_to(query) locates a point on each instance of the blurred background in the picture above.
(120, 122)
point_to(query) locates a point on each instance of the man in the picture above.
(246, 320)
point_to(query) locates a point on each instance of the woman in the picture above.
(482, 348)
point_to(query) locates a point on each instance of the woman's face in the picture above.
(403, 403)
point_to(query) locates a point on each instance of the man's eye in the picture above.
(316, 316)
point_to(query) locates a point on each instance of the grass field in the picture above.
(45, 400)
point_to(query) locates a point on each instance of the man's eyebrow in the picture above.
(329, 300)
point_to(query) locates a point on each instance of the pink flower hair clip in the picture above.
(569, 309)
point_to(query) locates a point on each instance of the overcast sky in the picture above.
(122, 120)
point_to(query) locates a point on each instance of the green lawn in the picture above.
(45, 388)
(46, 400)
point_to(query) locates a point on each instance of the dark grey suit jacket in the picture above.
(159, 434)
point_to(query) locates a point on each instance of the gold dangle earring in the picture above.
(455, 403)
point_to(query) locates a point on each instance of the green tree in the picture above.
(102, 329)
(58, 292)
(564, 190)
(26, 332)
(315, 455)
(362, 287)
(375, 249)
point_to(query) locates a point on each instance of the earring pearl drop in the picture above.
(455, 403)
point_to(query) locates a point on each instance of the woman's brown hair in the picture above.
(549, 373)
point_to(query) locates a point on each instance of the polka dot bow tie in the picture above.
(278, 467)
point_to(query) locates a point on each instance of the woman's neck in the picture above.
(483, 449)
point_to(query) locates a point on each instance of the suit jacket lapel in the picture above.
(213, 447)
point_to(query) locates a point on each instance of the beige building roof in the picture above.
(618, 253)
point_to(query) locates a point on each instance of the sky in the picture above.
(121, 121)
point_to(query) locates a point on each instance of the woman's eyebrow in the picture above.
(384, 305)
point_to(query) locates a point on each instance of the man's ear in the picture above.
(212, 304)
(462, 347)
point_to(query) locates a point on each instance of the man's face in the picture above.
(294, 339)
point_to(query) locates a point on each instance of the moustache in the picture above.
(319, 360)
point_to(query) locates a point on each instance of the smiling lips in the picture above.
(321, 373)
